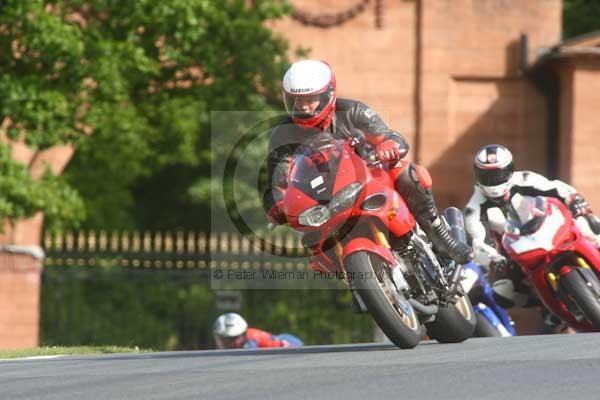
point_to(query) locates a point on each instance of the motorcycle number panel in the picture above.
(543, 237)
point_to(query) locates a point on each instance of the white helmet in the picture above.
(493, 168)
(310, 78)
(229, 331)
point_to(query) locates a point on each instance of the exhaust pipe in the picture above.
(422, 308)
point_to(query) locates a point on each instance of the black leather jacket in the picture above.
(286, 137)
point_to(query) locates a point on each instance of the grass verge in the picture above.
(56, 350)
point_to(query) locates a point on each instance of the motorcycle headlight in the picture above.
(345, 198)
(374, 202)
(314, 216)
(318, 215)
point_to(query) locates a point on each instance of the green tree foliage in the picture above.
(41, 95)
(21, 196)
(199, 56)
(579, 17)
(131, 84)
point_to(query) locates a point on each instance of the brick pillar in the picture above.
(20, 279)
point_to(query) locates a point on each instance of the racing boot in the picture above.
(439, 234)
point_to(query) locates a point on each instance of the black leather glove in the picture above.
(578, 206)
(498, 269)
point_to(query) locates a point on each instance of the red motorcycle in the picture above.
(358, 227)
(540, 235)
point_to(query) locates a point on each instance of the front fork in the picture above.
(589, 275)
(452, 287)
(583, 268)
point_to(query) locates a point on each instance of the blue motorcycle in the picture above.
(492, 320)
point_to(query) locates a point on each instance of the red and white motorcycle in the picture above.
(563, 266)
(357, 225)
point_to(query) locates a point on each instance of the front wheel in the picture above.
(386, 304)
(583, 294)
(453, 323)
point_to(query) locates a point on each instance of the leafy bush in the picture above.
(175, 309)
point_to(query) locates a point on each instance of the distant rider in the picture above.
(231, 331)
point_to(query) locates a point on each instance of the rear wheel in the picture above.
(386, 304)
(583, 294)
(453, 323)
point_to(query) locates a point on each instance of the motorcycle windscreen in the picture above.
(315, 167)
(527, 214)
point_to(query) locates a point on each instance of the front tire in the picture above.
(453, 323)
(386, 304)
(583, 295)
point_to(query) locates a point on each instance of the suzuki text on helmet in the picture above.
(493, 168)
(309, 93)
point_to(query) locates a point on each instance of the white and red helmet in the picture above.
(229, 331)
(493, 168)
(309, 78)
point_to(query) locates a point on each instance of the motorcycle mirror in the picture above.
(497, 220)
(362, 146)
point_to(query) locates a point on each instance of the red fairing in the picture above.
(395, 215)
(536, 263)
(403, 221)
(364, 244)
(566, 238)
(351, 169)
(295, 202)
(376, 206)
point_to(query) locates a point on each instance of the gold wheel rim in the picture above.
(411, 321)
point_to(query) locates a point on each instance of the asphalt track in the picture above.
(528, 367)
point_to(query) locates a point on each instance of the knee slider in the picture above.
(419, 174)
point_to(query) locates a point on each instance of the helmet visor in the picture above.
(235, 342)
(493, 177)
(306, 106)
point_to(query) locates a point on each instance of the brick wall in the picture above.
(579, 100)
(585, 134)
(373, 65)
(473, 91)
(19, 300)
(470, 88)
